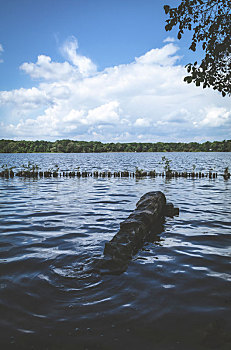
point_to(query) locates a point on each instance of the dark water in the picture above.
(176, 291)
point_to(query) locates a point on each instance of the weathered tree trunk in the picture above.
(148, 215)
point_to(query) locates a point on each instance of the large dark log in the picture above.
(134, 231)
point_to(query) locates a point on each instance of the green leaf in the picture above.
(193, 46)
(168, 27)
(188, 79)
(209, 22)
(166, 9)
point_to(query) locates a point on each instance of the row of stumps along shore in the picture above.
(6, 173)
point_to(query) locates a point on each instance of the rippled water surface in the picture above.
(176, 292)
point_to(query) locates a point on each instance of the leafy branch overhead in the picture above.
(210, 22)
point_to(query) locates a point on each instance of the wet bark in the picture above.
(134, 231)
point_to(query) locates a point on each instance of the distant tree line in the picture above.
(69, 146)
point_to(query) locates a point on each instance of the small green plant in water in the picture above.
(30, 167)
(56, 168)
(138, 172)
(167, 169)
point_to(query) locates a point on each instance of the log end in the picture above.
(170, 210)
(134, 232)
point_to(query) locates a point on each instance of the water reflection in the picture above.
(175, 292)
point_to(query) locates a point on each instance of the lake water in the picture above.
(176, 292)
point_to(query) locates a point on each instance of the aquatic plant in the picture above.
(139, 172)
(31, 167)
(226, 173)
(168, 170)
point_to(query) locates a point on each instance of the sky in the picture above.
(101, 70)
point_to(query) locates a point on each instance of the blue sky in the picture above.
(100, 70)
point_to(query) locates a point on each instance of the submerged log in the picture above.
(134, 231)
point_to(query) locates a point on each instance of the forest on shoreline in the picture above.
(70, 146)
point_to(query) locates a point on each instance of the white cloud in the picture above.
(142, 122)
(1, 51)
(214, 117)
(104, 114)
(144, 100)
(45, 69)
(169, 39)
(25, 98)
(162, 56)
(74, 116)
(84, 64)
